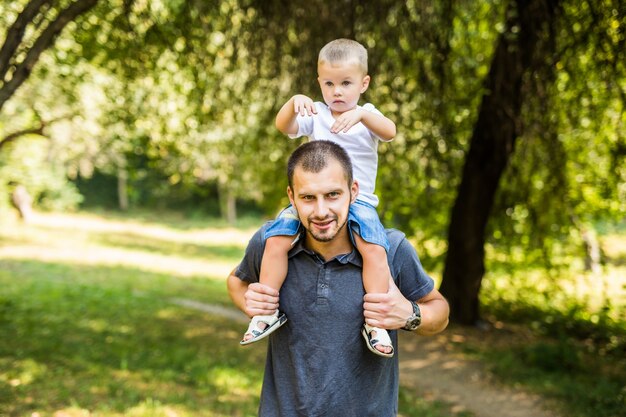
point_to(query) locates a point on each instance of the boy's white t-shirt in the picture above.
(360, 143)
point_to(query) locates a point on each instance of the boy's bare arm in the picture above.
(286, 117)
(378, 124)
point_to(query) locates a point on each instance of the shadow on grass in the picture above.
(108, 341)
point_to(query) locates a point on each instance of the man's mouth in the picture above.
(322, 224)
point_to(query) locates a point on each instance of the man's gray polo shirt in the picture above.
(317, 363)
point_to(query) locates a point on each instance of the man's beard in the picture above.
(326, 237)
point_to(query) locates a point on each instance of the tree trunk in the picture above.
(227, 201)
(231, 207)
(122, 188)
(23, 202)
(518, 52)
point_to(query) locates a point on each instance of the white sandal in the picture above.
(382, 338)
(272, 322)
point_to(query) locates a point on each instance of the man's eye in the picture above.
(307, 197)
(333, 195)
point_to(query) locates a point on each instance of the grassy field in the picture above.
(89, 326)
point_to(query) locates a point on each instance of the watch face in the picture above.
(415, 320)
(413, 323)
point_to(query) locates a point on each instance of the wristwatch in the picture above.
(415, 319)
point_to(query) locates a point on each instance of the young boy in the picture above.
(342, 76)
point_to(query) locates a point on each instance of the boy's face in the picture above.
(342, 84)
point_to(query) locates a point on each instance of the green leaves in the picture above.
(184, 93)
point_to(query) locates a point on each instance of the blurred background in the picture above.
(138, 152)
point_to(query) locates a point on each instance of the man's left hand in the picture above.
(387, 310)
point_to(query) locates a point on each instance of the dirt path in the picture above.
(436, 370)
(433, 367)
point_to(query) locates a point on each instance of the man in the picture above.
(315, 363)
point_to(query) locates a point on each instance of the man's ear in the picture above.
(354, 191)
(365, 83)
(290, 195)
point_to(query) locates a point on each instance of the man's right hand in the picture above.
(260, 299)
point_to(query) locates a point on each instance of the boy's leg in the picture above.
(273, 273)
(275, 260)
(376, 275)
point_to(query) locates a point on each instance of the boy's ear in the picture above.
(365, 83)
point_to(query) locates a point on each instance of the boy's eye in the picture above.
(329, 84)
(346, 83)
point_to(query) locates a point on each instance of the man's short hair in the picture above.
(344, 50)
(314, 156)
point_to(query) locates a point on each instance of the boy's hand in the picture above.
(303, 104)
(347, 119)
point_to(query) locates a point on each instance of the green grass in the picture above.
(573, 322)
(113, 350)
(585, 384)
(87, 325)
(562, 355)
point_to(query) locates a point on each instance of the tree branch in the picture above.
(43, 42)
(38, 130)
(16, 32)
(15, 135)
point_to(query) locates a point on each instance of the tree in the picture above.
(510, 120)
(522, 47)
(526, 98)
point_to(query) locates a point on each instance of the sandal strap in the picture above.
(382, 336)
(253, 327)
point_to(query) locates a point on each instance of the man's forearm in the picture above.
(236, 290)
(435, 315)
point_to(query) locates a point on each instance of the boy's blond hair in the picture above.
(343, 50)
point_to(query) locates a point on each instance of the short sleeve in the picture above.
(371, 108)
(413, 282)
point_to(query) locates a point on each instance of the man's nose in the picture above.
(321, 208)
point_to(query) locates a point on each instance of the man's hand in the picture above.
(387, 311)
(303, 104)
(260, 300)
(346, 120)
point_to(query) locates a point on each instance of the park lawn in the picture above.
(89, 324)
(562, 333)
